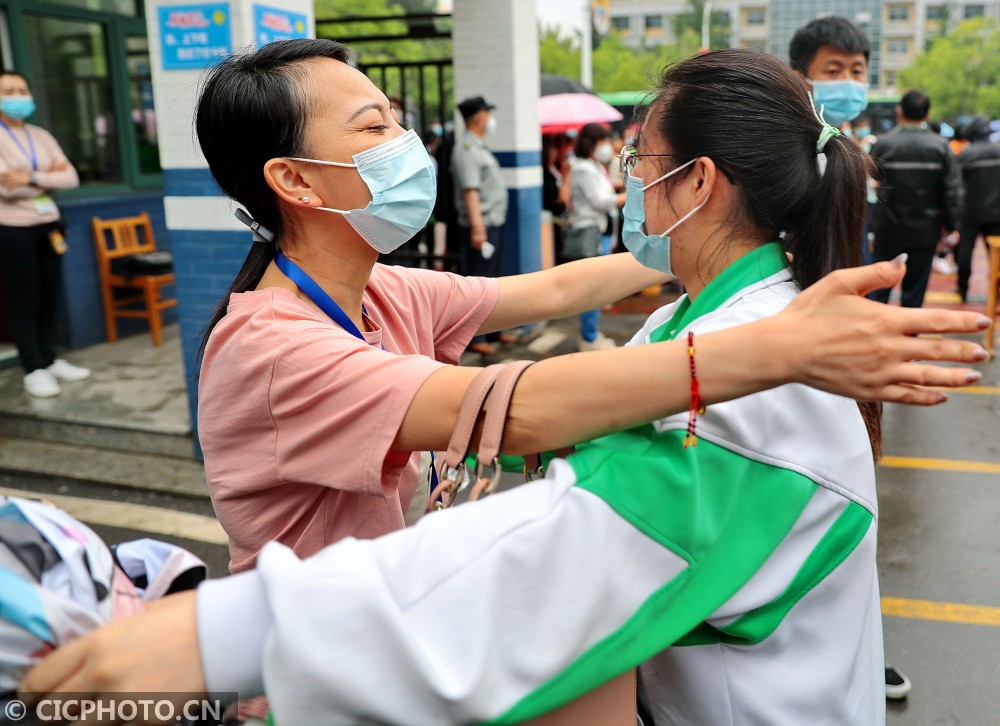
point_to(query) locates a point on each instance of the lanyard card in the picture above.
(44, 204)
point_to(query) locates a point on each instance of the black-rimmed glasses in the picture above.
(629, 157)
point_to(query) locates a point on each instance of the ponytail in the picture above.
(830, 236)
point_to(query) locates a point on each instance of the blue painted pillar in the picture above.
(496, 56)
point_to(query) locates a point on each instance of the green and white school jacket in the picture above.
(739, 573)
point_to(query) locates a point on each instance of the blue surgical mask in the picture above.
(841, 100)
(401, 179)
(652, 250)
(17, 107)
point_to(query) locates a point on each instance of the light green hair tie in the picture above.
(828, 131)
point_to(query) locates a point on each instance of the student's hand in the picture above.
(153, 651)
(843, 343)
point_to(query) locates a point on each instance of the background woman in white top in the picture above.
(593, 199)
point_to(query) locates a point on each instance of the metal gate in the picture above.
(423, 90)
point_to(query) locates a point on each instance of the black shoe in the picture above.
(897, 685)
(962, 294)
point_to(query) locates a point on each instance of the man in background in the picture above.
(980, 165)
(831, 55)
(480, 200)
(920, 192)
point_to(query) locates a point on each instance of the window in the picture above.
(141, 103)
(898, 46)
(890, 79)
(757, 16)
(973, 11)
(935, 12)
(70, 82)
(621, 23)
(899, 13)
(654, 22)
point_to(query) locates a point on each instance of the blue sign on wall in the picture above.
(270, 24)
(194, 36)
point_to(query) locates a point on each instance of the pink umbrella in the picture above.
(563, 111)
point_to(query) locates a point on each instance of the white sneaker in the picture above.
(66, 371)
(601, 342)
(41, 383)
(942, 266)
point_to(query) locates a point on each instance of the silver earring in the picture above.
(304, 200)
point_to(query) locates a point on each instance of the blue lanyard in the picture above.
(32, 157)
(317, 294)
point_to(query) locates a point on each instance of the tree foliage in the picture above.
(616, 67)
(960, 72)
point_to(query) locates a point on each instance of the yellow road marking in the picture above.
(982, 390)
(909, 462)
(948, 612)
(134, 516)
(938, 297)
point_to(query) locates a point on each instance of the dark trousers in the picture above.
(918, 272)
(966, 248)
(33, 272)
(473, 264)
(471, 261)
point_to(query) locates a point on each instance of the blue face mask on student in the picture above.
(841, 100)
(652, 250)
(17, 107)
(401, 179)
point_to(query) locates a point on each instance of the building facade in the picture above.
(87, 62)
(899, 30)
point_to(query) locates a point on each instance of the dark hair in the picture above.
(750, 114)
(250, 111)
(915, 105)
(976, 129)
(833, 30)
(588, 139)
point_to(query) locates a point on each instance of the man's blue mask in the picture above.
(841, 100)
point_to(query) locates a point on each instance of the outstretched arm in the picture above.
(568, 289)
(830, 337)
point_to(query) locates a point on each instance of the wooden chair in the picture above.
(993, 246)
(119, 239)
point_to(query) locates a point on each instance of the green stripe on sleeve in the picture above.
(721, 512)
(837, 544)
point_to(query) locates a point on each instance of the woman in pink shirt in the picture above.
(31, 166)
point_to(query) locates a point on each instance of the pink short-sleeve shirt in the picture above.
(296, 416)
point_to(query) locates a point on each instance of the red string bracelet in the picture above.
(697, 407)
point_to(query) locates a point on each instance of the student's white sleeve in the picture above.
(489, 612)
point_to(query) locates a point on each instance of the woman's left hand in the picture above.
(13, 179)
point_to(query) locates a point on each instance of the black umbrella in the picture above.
(553, 84)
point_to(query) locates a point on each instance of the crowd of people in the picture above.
(731, 563)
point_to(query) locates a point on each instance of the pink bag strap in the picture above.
(488, 465)
(452, 472)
